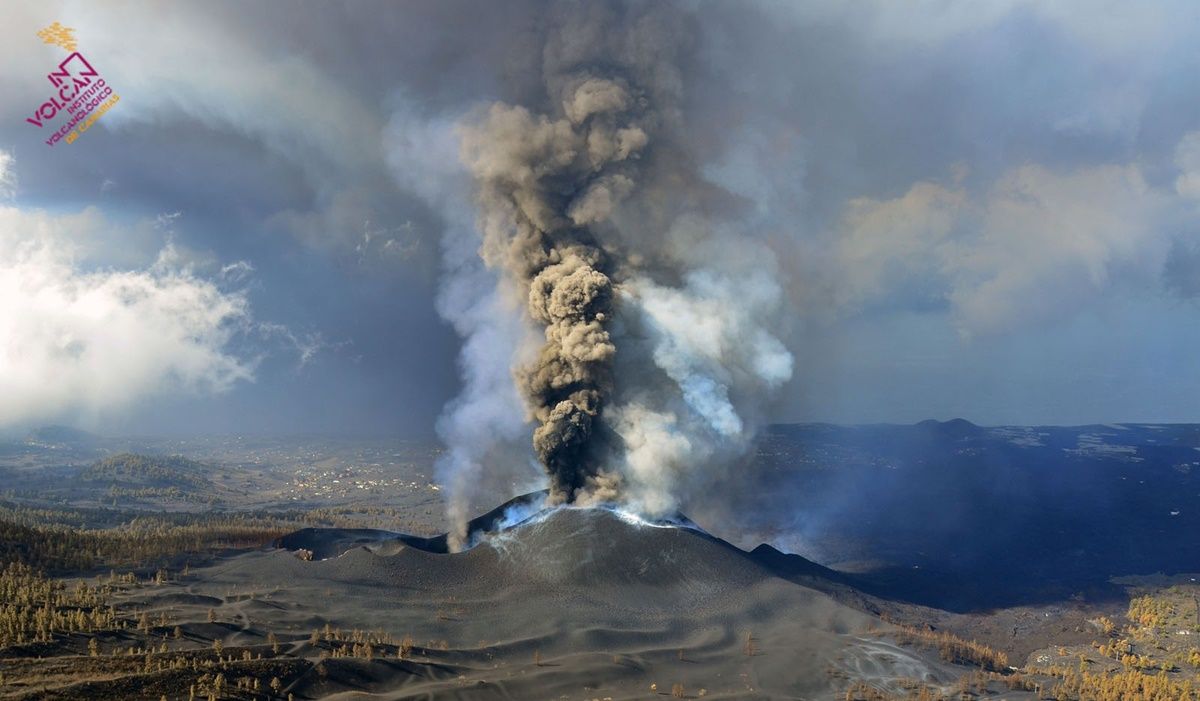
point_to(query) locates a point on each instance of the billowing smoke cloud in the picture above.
(544, 183)
(655, 311)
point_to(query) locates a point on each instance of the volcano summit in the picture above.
(568, 602)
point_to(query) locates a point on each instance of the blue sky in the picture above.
(989, 212)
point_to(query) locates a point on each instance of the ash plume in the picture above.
(548, 184)
(653, 308)
(542, 183)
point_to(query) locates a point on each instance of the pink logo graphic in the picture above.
(81, 94)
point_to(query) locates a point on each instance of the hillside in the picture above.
(131, 469)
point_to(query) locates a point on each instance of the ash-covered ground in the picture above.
(870, 560)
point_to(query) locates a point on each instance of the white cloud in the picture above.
(166, 220)
(305, 345)
(1052, 243)
(8, 176)
(77, 342)
(886, 243)
(1034, 246)
(1187, 159)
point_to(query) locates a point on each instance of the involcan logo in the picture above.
(80, 95)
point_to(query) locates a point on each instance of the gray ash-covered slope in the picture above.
(324, 543)
(568, 555)
(569, 540)
(606, 602)
(330, 542)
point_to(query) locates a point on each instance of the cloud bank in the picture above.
(1034, 247)
(79, 341)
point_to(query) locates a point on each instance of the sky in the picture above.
(989, 212)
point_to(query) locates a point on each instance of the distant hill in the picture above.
(60, 435)
(131, 469)
(954, 428)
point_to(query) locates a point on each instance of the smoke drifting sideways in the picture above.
(613, 286)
